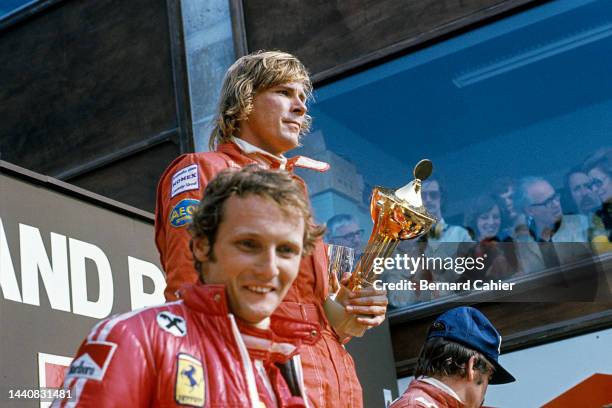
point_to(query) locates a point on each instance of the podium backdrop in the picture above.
(67, 259)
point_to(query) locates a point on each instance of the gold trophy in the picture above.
(397, 215)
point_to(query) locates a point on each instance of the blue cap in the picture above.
(470, 328)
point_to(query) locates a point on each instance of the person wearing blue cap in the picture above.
(457, 362)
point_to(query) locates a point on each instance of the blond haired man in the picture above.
(262, 114)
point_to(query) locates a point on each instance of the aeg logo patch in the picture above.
(182, 213)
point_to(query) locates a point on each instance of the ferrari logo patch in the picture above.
(190, 388)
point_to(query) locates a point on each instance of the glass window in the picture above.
(10, 6)
(507, 113)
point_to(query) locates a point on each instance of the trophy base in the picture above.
(341, 321)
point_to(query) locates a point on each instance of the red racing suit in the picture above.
(329, 371)
(423, 395)
(189, 352)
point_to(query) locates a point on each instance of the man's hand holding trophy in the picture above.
(354, 305)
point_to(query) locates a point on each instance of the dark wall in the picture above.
(85, 87)
(333, 36)
(94, 93)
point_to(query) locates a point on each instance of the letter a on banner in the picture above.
(34, 258)
(8, 280)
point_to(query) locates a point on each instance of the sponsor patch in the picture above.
(312, 164)
(426, 403)
(182, 213)
(190, 388)
(92, 361)
(185, 179)
(171, 323)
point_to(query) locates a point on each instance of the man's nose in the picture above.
(267, 264)
(299, 106)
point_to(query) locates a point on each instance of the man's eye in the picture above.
(247, 244)
(283, 92)
(288, 250)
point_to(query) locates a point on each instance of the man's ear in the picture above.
(470, 371)
(201, 249)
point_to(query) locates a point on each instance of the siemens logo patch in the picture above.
(182, 213)
(185, 179)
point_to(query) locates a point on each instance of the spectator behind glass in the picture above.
(484, 220)
(443, 240)
(432, 194)
(542, 204)
(515, 226)
(599, 168)
(537, 198)
(343, 229)
(581, 193)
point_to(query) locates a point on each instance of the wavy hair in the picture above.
(250, 74)
(601, 159)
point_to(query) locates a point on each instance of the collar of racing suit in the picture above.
(432, 396)
(240, 148)
(251, 149)
(277, 344)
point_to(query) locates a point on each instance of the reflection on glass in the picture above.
(516, 111)
(10, 6)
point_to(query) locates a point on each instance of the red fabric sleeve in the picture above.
(178, 193)
(114, 370)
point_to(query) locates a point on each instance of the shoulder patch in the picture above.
(425, 403)
(92, 360)
(190, 387)
(185, 179)
(308, 163)
(172, 323)
(182, 213)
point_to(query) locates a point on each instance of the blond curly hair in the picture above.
(250, 74)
